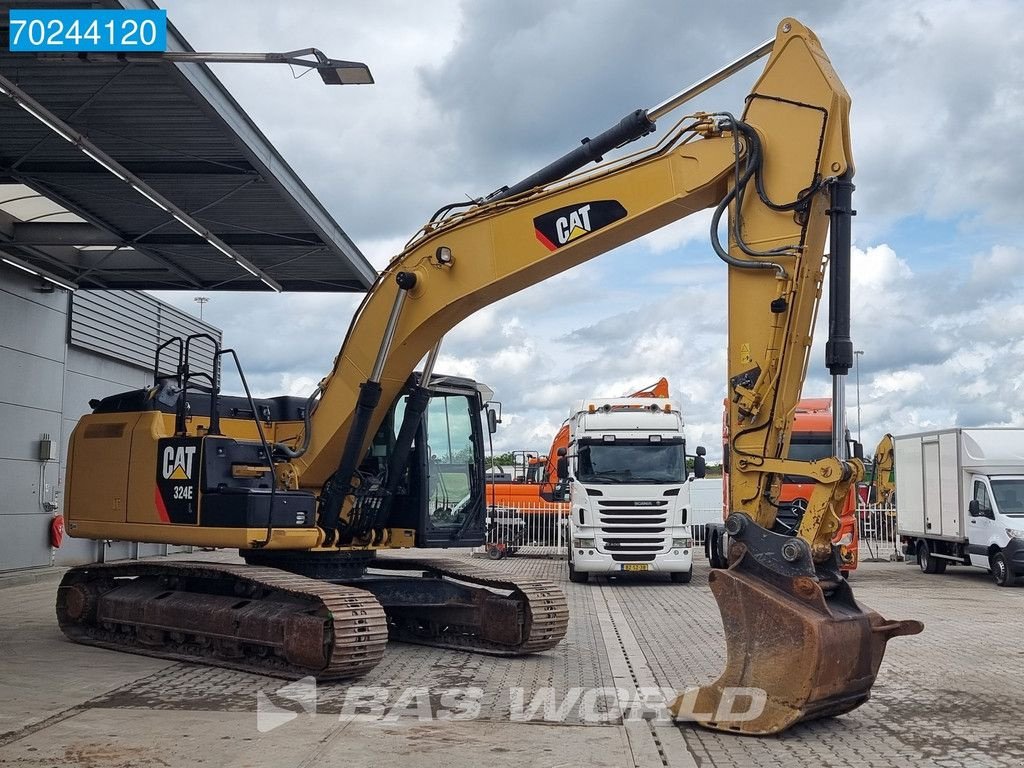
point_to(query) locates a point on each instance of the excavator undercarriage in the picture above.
(269, 621)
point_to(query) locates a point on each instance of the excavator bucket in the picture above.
(799, 647)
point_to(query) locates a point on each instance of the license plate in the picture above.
(635, 567)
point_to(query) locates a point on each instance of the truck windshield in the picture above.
(807, 446)
(1009, 496)
(810, 446)
(622, 462)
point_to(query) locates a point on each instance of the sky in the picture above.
(470, 96)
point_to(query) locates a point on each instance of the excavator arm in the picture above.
(782, 175)
(882, 482)
(798, 115)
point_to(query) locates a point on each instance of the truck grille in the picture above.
(633, 527)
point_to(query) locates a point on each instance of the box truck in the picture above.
(960, 499)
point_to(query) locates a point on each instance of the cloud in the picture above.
(471, 96)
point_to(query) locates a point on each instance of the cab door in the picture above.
(981, 527)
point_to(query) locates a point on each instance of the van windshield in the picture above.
(1009, 496)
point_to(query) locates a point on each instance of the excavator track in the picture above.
(455, 605)
(260, 620)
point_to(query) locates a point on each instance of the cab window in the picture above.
(981, 496)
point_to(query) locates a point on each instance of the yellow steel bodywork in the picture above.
(126, 509)
(882, 479)
(800, 110)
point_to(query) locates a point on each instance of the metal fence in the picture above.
(879, 538)
(538, 530)
(542, 530)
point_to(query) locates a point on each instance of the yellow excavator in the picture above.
(883, 486)
(314, 493)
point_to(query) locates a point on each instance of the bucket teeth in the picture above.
(798, 645)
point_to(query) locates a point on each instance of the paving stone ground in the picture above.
(953, 696)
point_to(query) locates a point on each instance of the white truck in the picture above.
(960, 499)
(625, 477)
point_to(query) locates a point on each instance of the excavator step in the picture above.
(254, 619)
(460, 605)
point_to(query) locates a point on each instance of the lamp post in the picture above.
(201, 301)
(331, 71)
(856, 367)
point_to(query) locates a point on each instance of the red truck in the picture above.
(811, 440)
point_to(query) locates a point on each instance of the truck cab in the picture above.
(625, 476)
(995, 525)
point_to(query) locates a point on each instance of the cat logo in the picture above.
(576, 224)
(567, 225)
(177, 463)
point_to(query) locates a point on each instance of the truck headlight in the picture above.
(1015, 533)
(583, 543)
(684, 543)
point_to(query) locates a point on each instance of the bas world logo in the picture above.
(269, 715)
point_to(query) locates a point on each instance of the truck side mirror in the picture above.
(858, 450)
(974, 509)
(492, 421)
(560, 492)
(562, 465)
(700, 468)
(702, 451)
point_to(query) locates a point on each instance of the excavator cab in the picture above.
(442, 493)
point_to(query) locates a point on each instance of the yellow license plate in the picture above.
(635, 567)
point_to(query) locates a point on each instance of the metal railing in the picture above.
(538, 530)
(879, 536)
(543, 530)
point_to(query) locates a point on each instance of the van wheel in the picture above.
(1001, 570)
(681, 577)
(927, 562)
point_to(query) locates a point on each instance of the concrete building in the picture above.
(59, 350)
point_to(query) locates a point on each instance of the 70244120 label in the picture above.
(75, 31)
